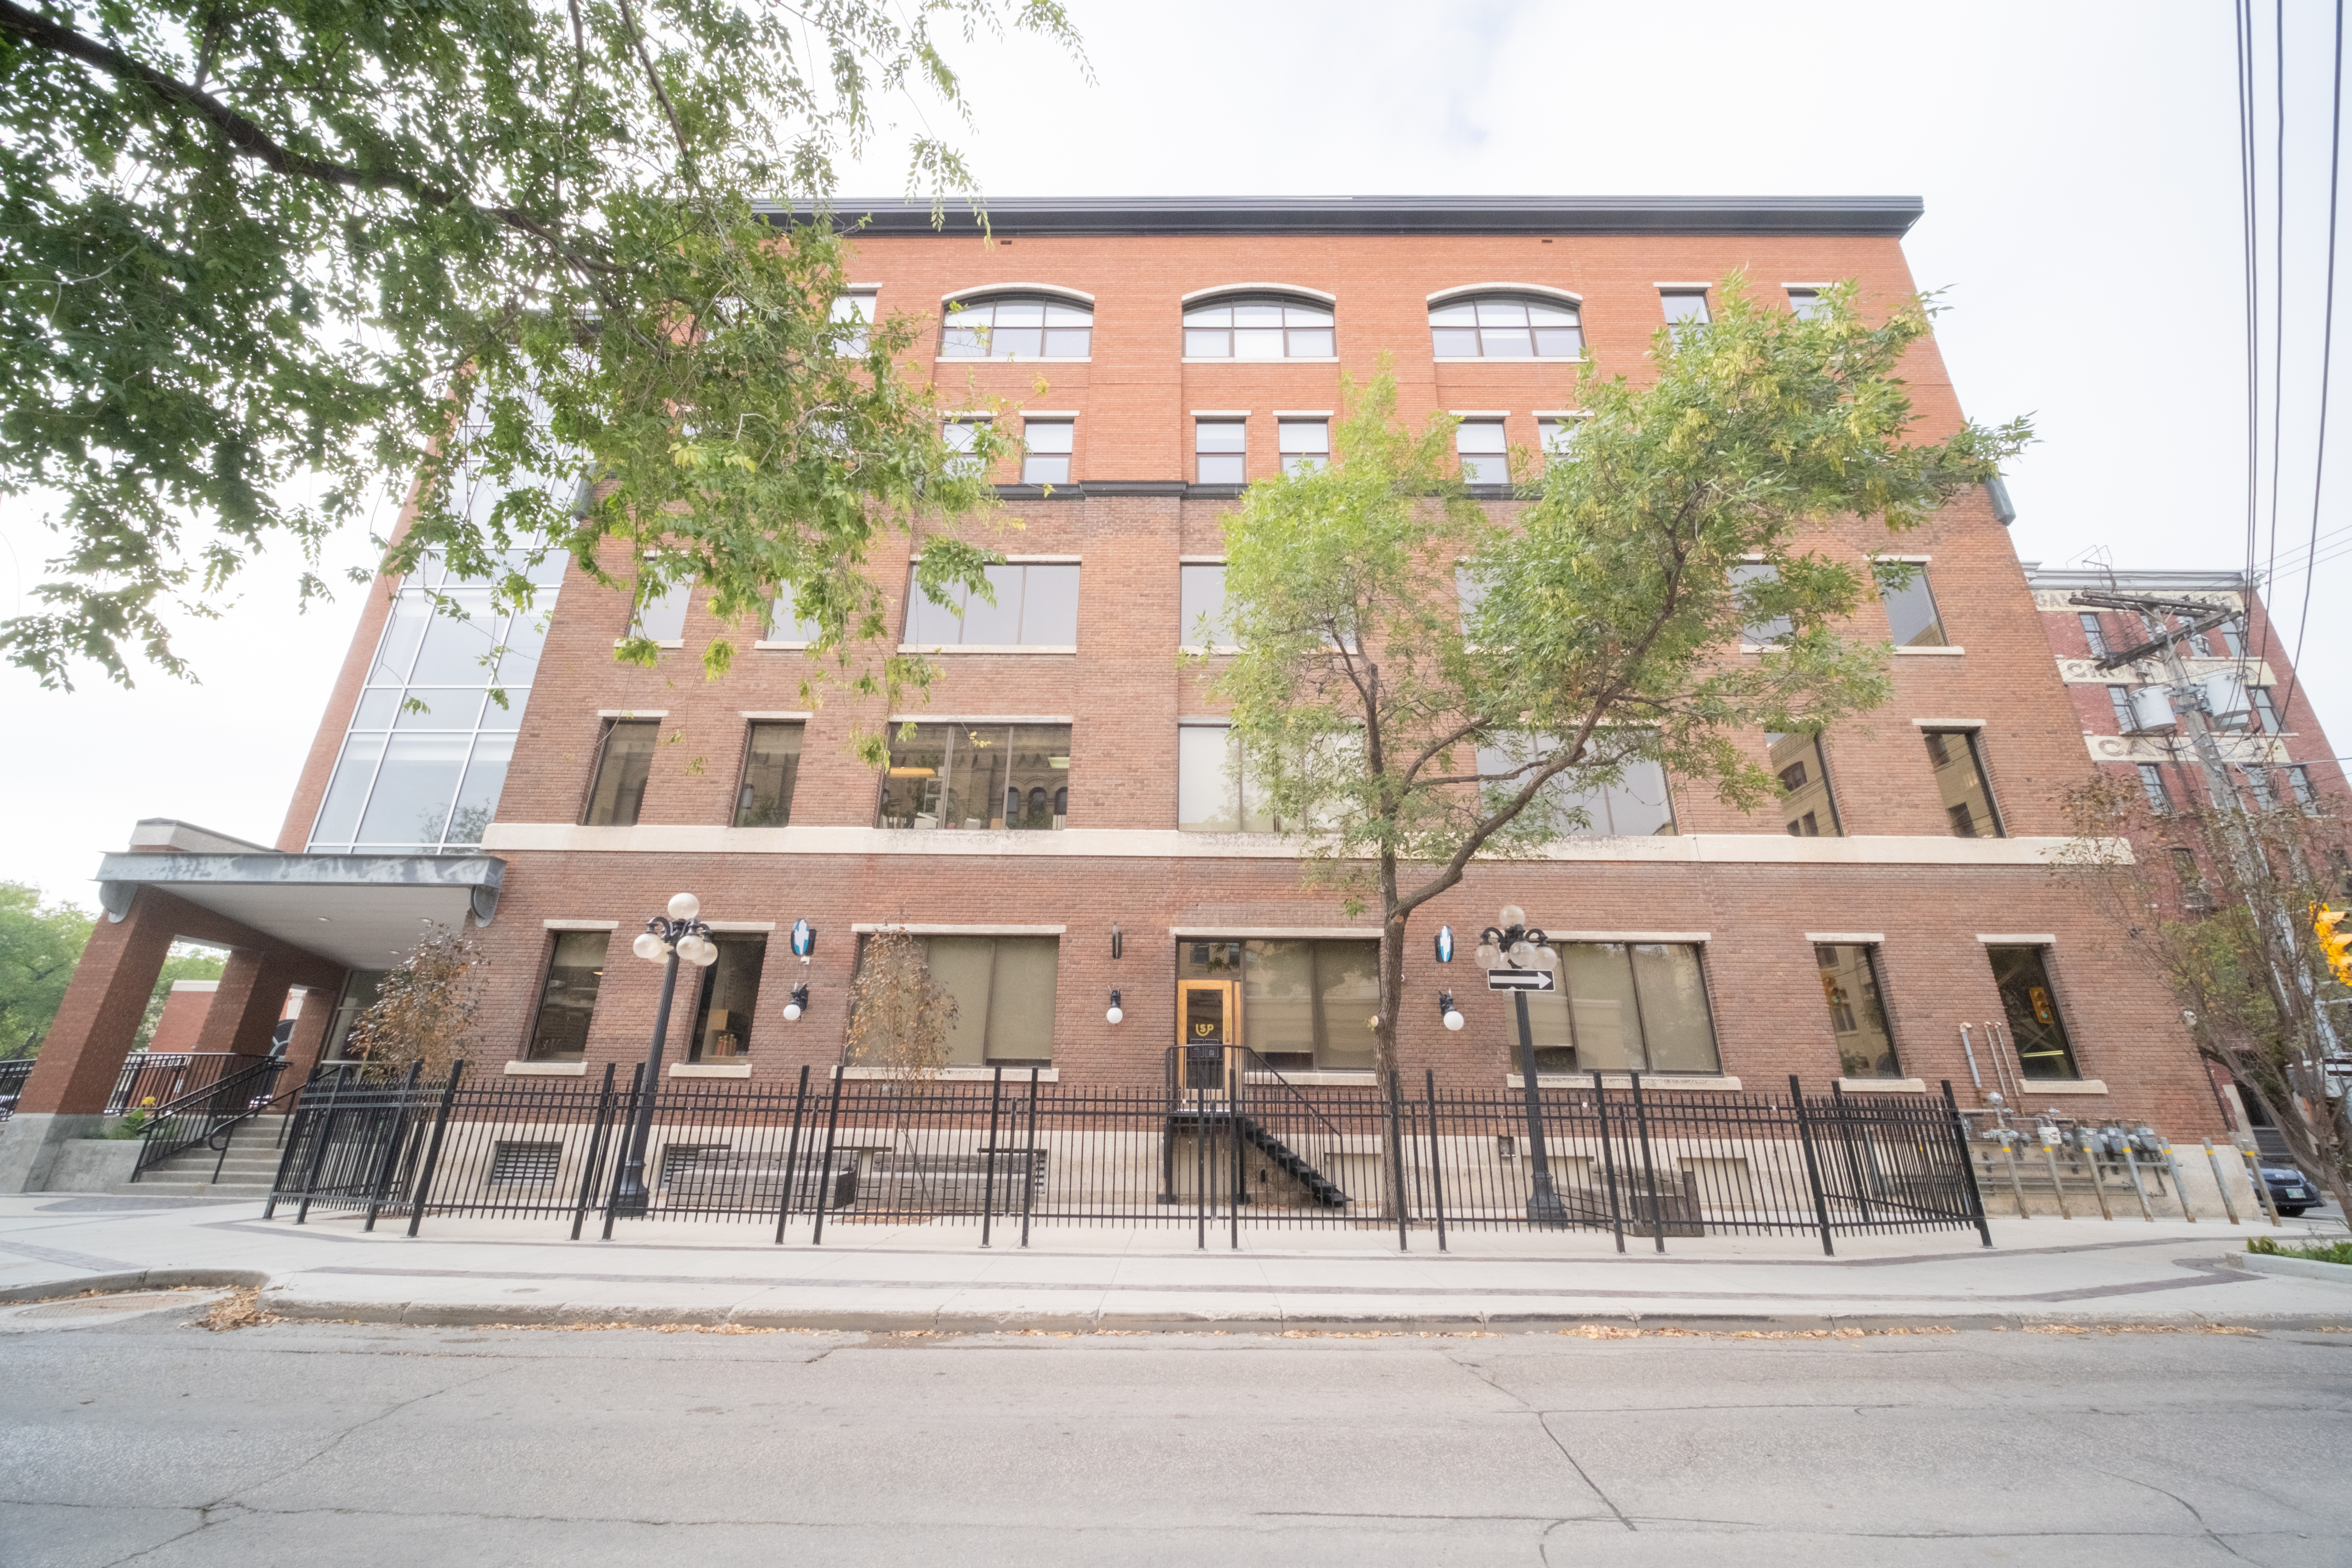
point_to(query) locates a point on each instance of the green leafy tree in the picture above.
(256, 262)
(39, 948)
(186, 960)
(1403, 736)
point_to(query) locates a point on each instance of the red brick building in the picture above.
(1068, 783)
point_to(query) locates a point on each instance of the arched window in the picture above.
(1017, 326)
(1258, 327)
(1505, 326)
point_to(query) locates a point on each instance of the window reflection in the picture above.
(976, 777)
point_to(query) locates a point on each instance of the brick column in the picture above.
(99, 1015)
(250, 1001)
(310, 1035)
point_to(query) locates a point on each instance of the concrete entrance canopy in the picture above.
(362, 912)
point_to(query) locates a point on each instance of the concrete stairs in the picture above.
(247, 1172)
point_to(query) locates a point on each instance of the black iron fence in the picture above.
(12, 1074)
(1227, 1142)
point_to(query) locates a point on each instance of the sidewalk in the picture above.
(938, 1278)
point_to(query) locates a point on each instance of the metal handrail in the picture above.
(225, 1134)
(161, 1138)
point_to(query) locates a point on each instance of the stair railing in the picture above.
(198, 1115)
(1258, 1074)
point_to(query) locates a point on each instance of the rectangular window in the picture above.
(853, 314)
(1046, 448)
(1220, 452)
(1202, 591)
(1305, 1004)
(1806, 807)
(1857, 1015)
(731, 999)
(783, 625)
(2259, 785)
(2022, 975)
(1685, 307)
(977, 777)
(2151, 783)
(1623, 1006)
(1214, 794)
(1766, 630)
(2094, 634)
(1484, 456)
(1805, 303)
(1911, 615)
(1004, 992)
(1960, 776)
(2234, 638)
(2299, 779)
(2119, 698)
(2198, 642)
(567, 999)
(1036, 606)
(772, 765)
(662, 616)
(623, 764)
(2265, 711)
(1557, 436)
(961, 437)
(1305, 444)
(1637, 805)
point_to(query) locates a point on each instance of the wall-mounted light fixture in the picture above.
(1447, 1011)
(1116, 1013)
(798, 1004)
(1118, 942)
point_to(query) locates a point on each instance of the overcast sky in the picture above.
(2079, 164)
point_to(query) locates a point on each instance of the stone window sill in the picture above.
(1883, 1085)
(957, 1075)
(547, 1069)
(1715, 1084)
(710, 1069)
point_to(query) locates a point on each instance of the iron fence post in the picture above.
(791, 1156)
(1437, 1156)
(988, 1157)
(1813, 1165)
(1844, 1119)
(595, 1157)
(825, 1173)
(1233, 1128)
(1396, 1146)
(392, 1145)
(1608, 1159)
(636, 1092)
(1959, 1127)
(1649, 1165)
(1029, 1172)
(295, 1114)
(326, 1127)
(432, 1149)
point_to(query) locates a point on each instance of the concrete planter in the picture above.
(2295, 1267)
(104, 1165)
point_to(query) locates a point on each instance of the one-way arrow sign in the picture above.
(1518, 980)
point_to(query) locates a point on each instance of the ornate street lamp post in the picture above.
(1513, 944)
(667, 939)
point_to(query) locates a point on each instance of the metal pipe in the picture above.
(2180, 1191)
(2221, 1182)
(2087, 1145)
(1966, 1045)
(2131, 1164)
(2262, 1187)
(2057, 1185)
(2016, 1181)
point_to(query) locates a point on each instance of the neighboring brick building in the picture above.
(1069, 779)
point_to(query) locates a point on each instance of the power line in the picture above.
(2326, 336)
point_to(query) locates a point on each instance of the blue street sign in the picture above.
(1444, 944)
(804, 939)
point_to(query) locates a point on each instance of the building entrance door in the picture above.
(1208, 1021)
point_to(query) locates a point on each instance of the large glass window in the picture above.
(1857, 1015)
(662, 616)
(977, 777)
(2265, 710)
(853, 314)
(1004, 992)
(567, 999)
(1214, 793)
(1220, 452)
(1258, 329)
(1202, 591)
(427, 751)
(2094, 634)
(1504, 327)
(1036, 606)
(962, 436)
(772, 765)
(1623, 1006)
(1017, 328)
(1806, 303)
(1046, 448)
(1486, 459)
(1911, 615)
(731, 998)
(623, 765)
(1685, 307)
(1766, 630)
(1959, 776)
(1806, 806)
(1637, 804)
(1306, 444)
(1305, 1004)
(2151, 783)
(2023, 974)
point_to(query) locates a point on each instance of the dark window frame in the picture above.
(609, 727)
(547, 967)
(1875, 969)
(960, 315)
(1976, 756)
(751, 729)
(1328, 327)
(1477, 328)
(2058, 1010)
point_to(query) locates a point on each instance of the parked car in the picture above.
(2289, 1191)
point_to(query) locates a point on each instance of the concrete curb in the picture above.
(135, 1279)
(2293, 1268)
(422, 1314)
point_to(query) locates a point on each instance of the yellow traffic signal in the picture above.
(2335, 943)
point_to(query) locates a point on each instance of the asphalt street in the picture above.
(137, 1437)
